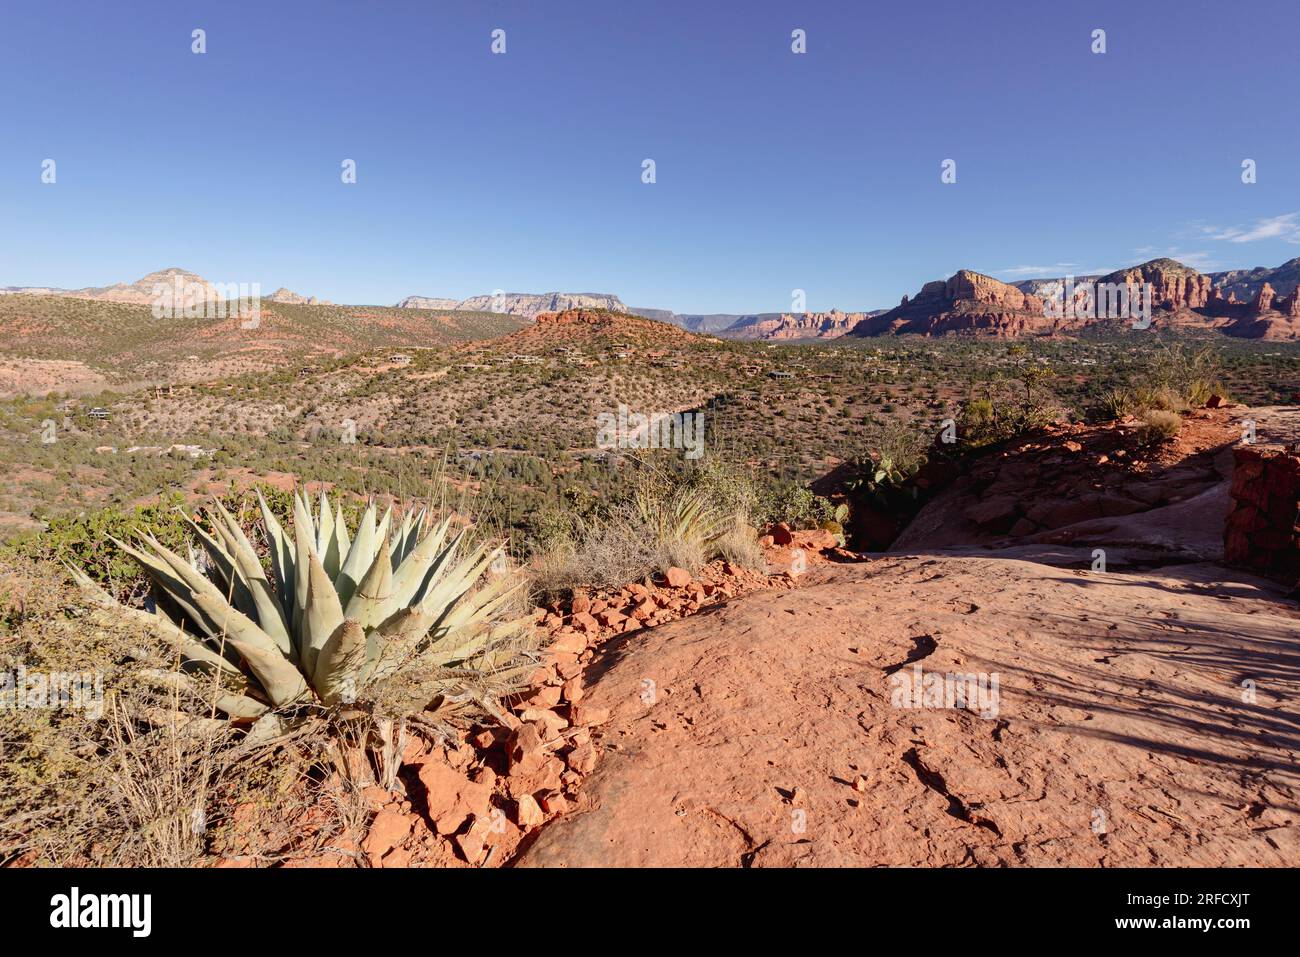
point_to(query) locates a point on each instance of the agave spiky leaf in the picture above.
(370, 600)
(338, 615)
(340, 662)
(322, 614)
(361, 555)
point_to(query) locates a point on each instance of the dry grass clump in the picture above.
(122, 777)
(739, 545)
(1159, 425)
(672, 518)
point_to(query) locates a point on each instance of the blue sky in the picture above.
(522, 171)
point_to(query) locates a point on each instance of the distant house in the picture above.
(400, 358)
(98, 413)
(781, 375)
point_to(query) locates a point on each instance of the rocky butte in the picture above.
(968, 303)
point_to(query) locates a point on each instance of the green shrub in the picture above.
(1159, 425)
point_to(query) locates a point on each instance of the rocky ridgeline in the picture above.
(1071, 487)
(577, 327)
(523, 304)
(970, 303)
(289, 297)
(1173, 285)
(808, 325)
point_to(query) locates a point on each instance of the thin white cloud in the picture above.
(1285, 227)
(1056, 271)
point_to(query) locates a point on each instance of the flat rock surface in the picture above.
(763, 734)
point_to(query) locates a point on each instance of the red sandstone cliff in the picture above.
(969, 303)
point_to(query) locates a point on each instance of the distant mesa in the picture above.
(292, 298)
(522, 304)
(716, 323)
(424, 302)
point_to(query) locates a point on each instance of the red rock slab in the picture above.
(774, 736)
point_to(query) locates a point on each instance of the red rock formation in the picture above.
(1173, 285)
(810, 325)
(1290, 305)
(968, 303)
(1264, 299)
(1263, 528)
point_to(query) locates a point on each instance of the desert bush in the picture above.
(1120, 401)
(79, 540)
(1175, 379)
(794, 504)
(1010, 404)
(1159, 425)
(670, 516)
(68, 789)
(740, 547)
(1190, 375)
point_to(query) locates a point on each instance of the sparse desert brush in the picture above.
(72, 786)
(740, 547)
(1159, 425)
(1175, 379)
(608, 552)
(79, 540)
(794, 504)
(683, 517)
(1120, 401)
(402, 618)
(1189, 374)
(1013, 402)
(1138, 400)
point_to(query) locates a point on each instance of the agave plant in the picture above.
(341, 614)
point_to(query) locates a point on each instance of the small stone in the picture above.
(585, 715)
(582, 760)
(527, 812)
(387, 830)
(555, 804)
(573, 690)
(677, 577)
